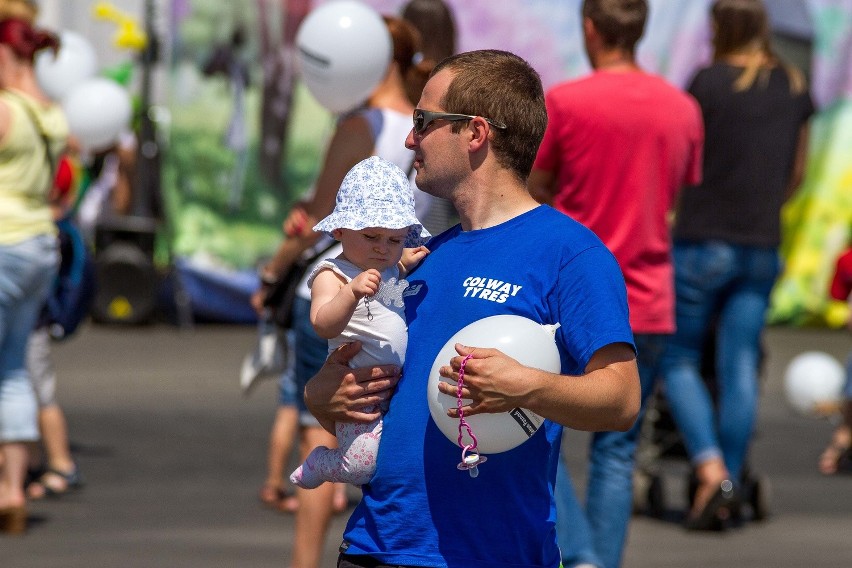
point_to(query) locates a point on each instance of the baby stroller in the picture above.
(659, 439)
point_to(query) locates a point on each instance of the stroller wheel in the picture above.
(691, 488)
(641, 484)
(656, 497)
(759, 497)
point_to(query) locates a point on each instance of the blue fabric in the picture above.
(419, 509)
(311, 352)
(287, 395)
(573, 533)
(598, 534)
(73, 291)
(27, 270)
(847, 388)
(218, 295)
(728, 284)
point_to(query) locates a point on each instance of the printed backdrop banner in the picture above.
(246, 139)
(818, 220)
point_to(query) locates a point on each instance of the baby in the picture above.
(358, 296)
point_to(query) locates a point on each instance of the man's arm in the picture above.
(606, 397)
(285, 255)
(338, 393)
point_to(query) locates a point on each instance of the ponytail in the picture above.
(25, 40)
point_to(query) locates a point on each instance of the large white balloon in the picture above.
(75, 62)
(344, 48)
(97, 111)
(813, 383)
(524, 340)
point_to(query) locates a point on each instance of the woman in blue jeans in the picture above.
(726, 236)
(33, 131)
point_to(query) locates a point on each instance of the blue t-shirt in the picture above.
(419, 509)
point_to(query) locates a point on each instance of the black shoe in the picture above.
(709, 519)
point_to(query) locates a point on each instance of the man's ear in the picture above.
(337, 234)
(479, 132)
(589, 29)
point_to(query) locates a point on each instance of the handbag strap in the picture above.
(320, 252)
(48, 157)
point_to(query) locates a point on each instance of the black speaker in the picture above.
(124, 266)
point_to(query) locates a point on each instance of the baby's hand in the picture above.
(411, 257)
(366, 283)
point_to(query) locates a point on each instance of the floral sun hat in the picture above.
(376, 193)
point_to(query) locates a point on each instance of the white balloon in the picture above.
(813, 382)
(97, 110)
(526, 341)
(75, 62)
(344, 48)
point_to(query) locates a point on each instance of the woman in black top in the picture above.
(726, 234)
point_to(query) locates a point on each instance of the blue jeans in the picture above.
(598, 534)
(27, 271)
(726, 286)
(287, 390)
(311, 351)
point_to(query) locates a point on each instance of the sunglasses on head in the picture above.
(423, 118)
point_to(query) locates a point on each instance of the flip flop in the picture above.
(44, 487)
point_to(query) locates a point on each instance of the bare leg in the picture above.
(281, 439)
(710, 475)
(15, 459)
(54, 435)
(341, 499)
(841, 441)
(315, 508)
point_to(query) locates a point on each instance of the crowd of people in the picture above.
(615, 138)
(651, 215)
(41, 251)
(33, 131)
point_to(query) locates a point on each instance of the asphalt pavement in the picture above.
(173, 456)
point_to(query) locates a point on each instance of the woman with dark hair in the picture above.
(33, 131)
(726, 237)
(436, 25)
(434, 20)
(378, 128)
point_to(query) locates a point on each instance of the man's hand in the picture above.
(258, 298)
(338, 393)
(605, 397)
(298, 222)
(492, 381)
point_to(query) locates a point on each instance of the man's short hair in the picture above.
(619, 22)
(502, 87)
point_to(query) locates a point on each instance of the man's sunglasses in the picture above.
(423, 118)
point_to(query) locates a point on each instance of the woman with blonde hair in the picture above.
(726, 236)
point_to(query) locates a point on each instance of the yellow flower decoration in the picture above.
(130, 34)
